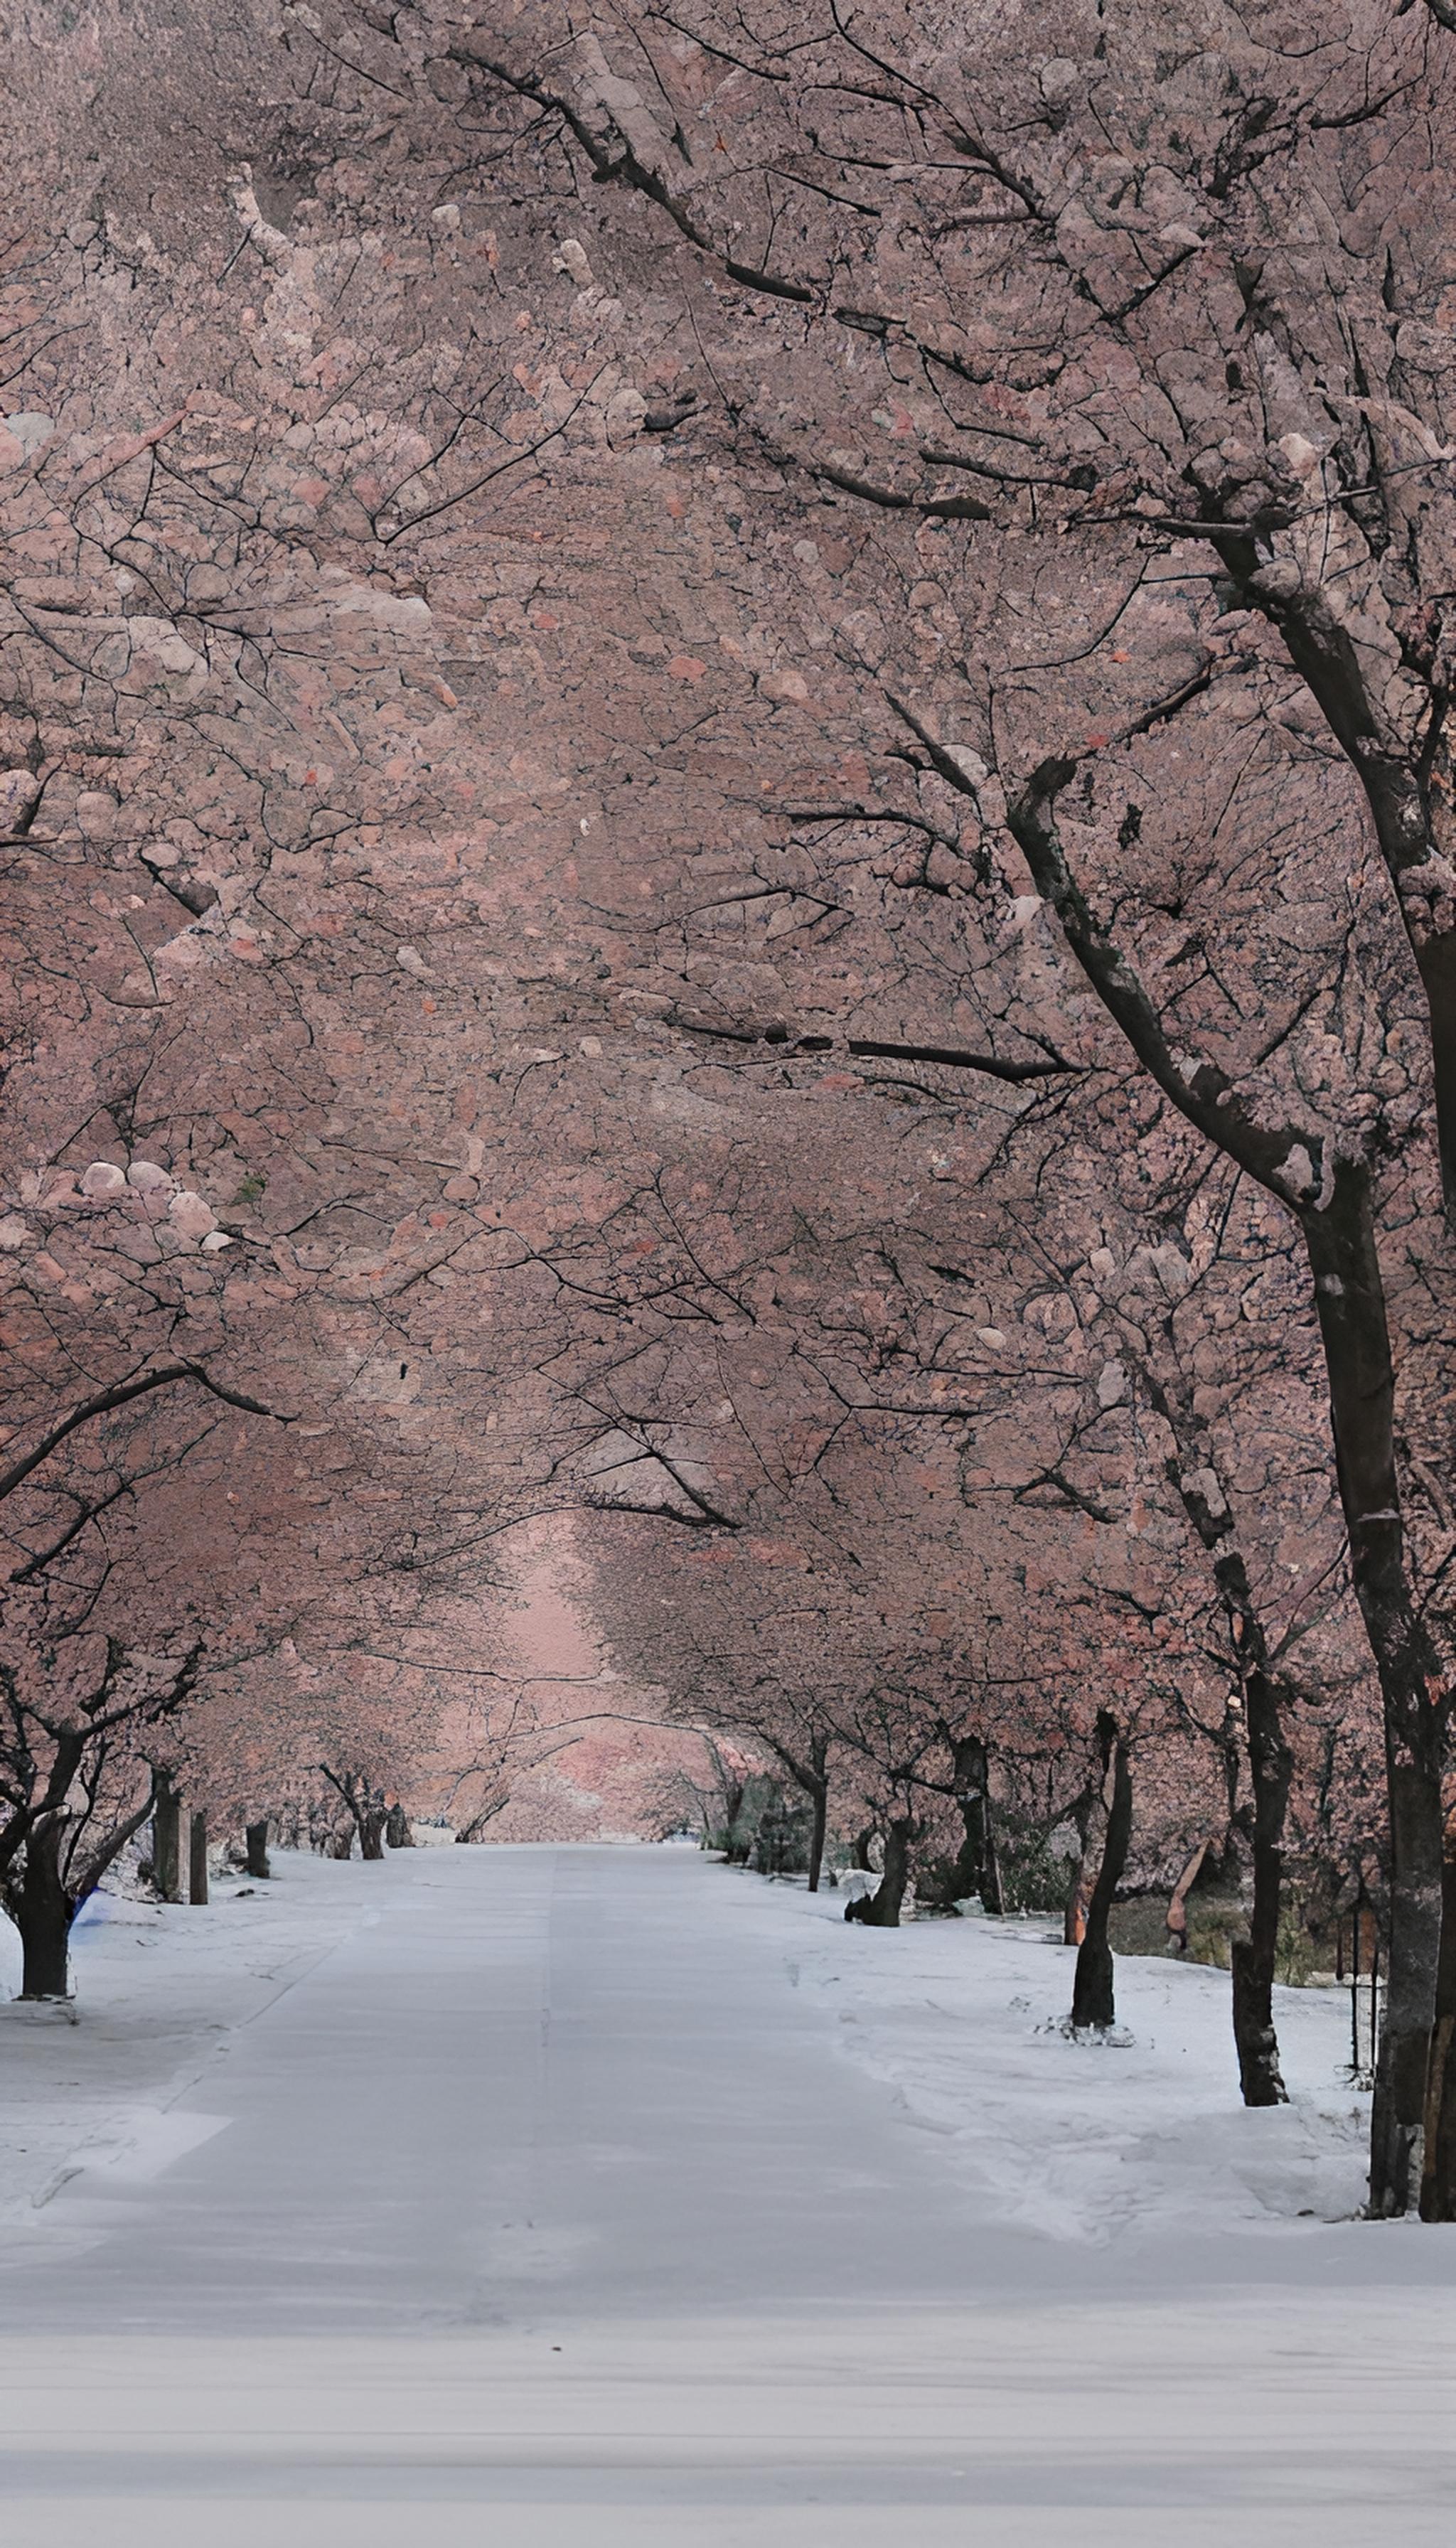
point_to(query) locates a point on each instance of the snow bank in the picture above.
(1082, 2140)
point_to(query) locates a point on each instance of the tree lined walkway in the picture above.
(541, 2083)
(548, 2188)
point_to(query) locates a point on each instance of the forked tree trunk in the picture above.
(1093, 1997)
(366, 1809)
(882, 1908)
(256, 1840)
(1253, 1958)
(470, 1832)
(44, 1918)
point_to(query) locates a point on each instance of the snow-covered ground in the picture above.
(962, 2018)
(572, 2198)
(159, 1989)
(1081, 2138)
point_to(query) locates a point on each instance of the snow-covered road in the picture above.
(547, 2186)
(534, 2083)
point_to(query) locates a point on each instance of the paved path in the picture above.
(540, 2086)
(548, 2191)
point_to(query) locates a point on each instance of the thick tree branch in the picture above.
(122, 1394)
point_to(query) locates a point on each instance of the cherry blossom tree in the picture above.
(1119, 405)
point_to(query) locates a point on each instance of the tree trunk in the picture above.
(1337, 1223)
(811, 1776)
(818, 1832)
(862, 1858)
(1093, 2002)
(1252, 1959)
(339, 1844)
(371, 1831)
(1350, 1300)
(881, 1909)
(1193, 1475)
(257, 1838)
(1439, 2181)
(197, 1860)
(45, 1918)
(397, 1831)
(978, 1869)
(166, 1841)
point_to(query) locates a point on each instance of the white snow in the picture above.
(157, 1988)
(1073, 2140)
(572, 2198)
(1076, 2137)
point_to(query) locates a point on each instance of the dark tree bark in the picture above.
(166, 1841)
(1350, 1301)
(810, 1773)
(1093, 1997)
(50, 1869)
(397, 1831)
(881, 1909)
(1192, 1471)
(45, 1912)
(256, 1839)
(470, 1832)
(1405, 808)
(977, 1867)
(197, 1860)
(1438, 2185)
(367, 1809)
(818, 1834)
(1253, 1958)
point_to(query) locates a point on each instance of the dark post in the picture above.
(166, 1841)
(256, 1837)
(197, 1867)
